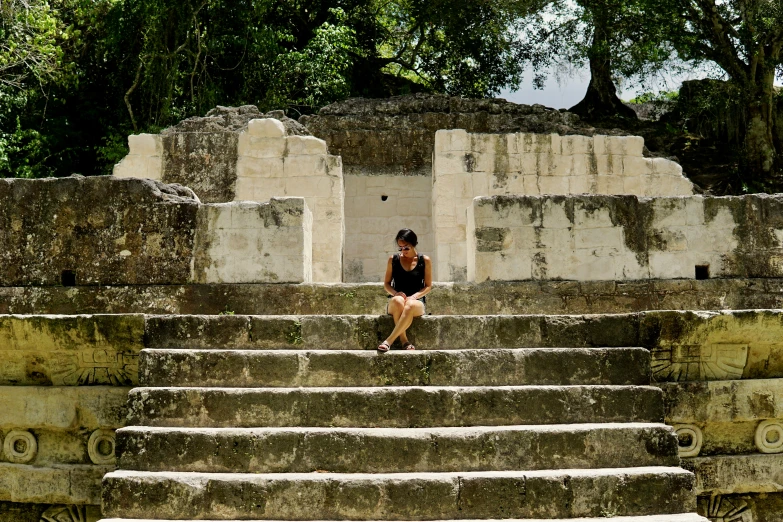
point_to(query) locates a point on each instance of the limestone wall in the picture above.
(246, 157)
(395, 136)
(386, 148)
(272, 164)
(469, 165)
(376, 208)
(108, 231)
(63, 389)
(624, 238)
(248, 242)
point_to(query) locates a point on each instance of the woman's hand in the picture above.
(411, 297)
(400, 294)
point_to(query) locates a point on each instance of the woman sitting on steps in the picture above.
(408, 279)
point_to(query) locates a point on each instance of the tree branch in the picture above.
(716, 29)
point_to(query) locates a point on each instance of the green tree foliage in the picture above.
(618, 39)
(745, 39)
(106, 68)
(466, 47)
(30, 59)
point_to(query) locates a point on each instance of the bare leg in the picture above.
(413, 308)
(394, 308)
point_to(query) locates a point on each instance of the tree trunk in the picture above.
(601, 99)
(760, 154)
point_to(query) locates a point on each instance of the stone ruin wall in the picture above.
(390, 182)
(108, 231)
(64, 383)
(721, 371)
(388, 147)
(615, 238)
(239, 154)
(271, 164)
(722, 376)
(473, 165)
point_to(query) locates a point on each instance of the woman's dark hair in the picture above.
(407, 235)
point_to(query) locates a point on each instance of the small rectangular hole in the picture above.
(68, 278)
(702, 271)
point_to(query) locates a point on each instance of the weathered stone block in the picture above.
(579, 185)
(636, 166)
(665, 167)
(305, 145)
(145, 144)
(266, 128)
(257, 147)
(205, 162)
(254, 242)
(736, 474)
(452, 140)
(63, 484)
(610, 184)
(553, 185)
(304, 166)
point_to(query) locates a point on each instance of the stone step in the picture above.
(357, 332)
(676, 517)
(399, 496)
(393, 407)
(384, 450)
(490, 297)
(256, 368)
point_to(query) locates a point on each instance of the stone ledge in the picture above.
(62, 407)
(416, 496)
(393, 407)
(61, 484)
(679, 517)
(291, 368)
(378, 450)
(724, 401)
(736, 474)
(544, 297)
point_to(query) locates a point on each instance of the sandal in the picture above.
(384, 347)
(408, 346)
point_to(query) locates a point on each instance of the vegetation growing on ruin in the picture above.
(77, 76)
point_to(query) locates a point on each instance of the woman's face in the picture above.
(405, 248)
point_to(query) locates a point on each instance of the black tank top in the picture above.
(408, 282)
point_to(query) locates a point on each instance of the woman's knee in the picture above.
(415, 308)
(412, 307)
(396, 302)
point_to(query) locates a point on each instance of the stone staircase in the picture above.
(254, 418)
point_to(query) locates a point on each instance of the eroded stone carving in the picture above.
(769, 436)
(722, 509)
(20, 447)
(699, 362)
(65, 514)
(100, 447)
(690, 439)
(99, 367)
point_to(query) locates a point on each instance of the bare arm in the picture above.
(427, 278)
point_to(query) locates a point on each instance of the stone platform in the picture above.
(277, 396)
